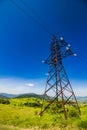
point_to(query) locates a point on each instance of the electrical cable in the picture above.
(35, 14)
(82, 58)
(29, 15)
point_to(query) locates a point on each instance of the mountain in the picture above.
(28, 95)
(6, 95)
(1, 96)
(82, 99)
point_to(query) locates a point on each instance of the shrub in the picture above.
(4, 101)
(72, 112)
(82, 124)
(33, 104)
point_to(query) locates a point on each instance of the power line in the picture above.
(81, 57)
(35, 14)
(29, 7)
(29, 15)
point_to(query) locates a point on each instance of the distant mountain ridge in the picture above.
(25, 95)
(82, 99)
(1, 96)
(6, 95)
(28, 95)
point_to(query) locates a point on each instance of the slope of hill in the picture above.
(28, 95)
(1, 96)
(82, 99)
(6, 95)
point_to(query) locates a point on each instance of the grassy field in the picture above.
(22, 114)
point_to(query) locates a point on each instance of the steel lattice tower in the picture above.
(58, 84)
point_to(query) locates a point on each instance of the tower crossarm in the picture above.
(67, 53)
(59, 49)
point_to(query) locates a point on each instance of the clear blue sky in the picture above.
(24, 43)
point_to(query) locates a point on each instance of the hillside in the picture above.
(23, 114)
(28, 95)
(82, 99)
(6, 95)
(1, 96)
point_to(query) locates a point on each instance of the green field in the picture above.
(23, 114)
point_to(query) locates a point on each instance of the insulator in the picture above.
(61, 38)
(69, 45)
(75, 54)
(67, 48)
(43, 61)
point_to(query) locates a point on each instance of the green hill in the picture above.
(29, 95)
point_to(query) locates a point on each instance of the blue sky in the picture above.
(24, 43)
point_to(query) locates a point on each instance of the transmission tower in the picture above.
(58, 88)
